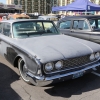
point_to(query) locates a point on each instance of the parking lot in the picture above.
(13, 88)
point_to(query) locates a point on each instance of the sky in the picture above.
(3, 1)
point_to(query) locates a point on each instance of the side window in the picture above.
(75, 24)
(6, 29)
(80, 25)
(85, 25)
(92, 23)
(95, 23)
(0, 27)
(98, 23)
(40, 18)
(65, 25)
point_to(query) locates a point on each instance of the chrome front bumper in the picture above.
(42, 80)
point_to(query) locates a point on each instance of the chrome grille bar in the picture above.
(76, 62)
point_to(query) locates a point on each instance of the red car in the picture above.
(1, 15)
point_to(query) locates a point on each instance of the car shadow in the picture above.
(77, 86)
(7, 76)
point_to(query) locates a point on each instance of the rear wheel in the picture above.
(23, 70)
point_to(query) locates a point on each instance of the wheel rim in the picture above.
(23, 70)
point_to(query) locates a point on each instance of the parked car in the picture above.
(42, 54)
(3, 16)
(18, 16)
(84, 13)
(49, 17)
(32, 16)
(84, 27)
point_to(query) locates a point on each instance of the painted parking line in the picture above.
(95, 73)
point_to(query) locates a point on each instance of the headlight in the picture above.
(97, 55)
(59, 65)
(49, 67)
(92, 57)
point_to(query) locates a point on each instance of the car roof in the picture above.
(18, 15)
(48, 16)
(82, 17)
(20, 20)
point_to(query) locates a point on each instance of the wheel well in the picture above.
(16, 61)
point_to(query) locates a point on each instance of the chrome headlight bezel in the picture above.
(92, 57)
(57, 66)
(97, 55)
(47, 65)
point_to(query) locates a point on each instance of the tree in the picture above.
(1, 3)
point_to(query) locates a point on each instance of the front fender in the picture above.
(32, 63)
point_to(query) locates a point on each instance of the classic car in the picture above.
(49, 17)
(43, 55)
(84, 27)
(18, 16)
(2, 16)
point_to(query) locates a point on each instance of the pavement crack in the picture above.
(26, 92)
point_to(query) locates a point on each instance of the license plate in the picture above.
(77, 75)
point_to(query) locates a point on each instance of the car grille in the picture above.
(76, 62)
(73, 63)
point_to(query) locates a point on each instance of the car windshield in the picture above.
(95, 23)
(33, 28)
(48, 18)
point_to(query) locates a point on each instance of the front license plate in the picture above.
(77, 75)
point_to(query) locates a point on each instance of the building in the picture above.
(35, 6)
(16, 2)
(95, 1)
(10, 8)
(42, 6)
(32, 6)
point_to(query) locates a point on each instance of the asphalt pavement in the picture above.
(13, 88)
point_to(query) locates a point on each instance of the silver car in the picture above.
(49, 17)
(43, 55)
(84, 27)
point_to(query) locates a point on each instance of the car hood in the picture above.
(56, 47)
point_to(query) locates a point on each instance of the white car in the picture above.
(52, 18)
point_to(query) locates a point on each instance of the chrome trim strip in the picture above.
(42, 78)
(71, 68)
(36, 77)
(71, 73)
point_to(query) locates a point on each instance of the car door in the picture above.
(1, 26)
(65, 26)
(5, 37)
(95, 33)
(80, 29)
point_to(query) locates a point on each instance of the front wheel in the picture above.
(23, 70)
